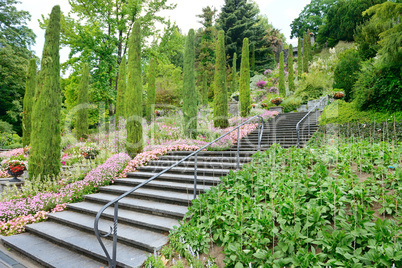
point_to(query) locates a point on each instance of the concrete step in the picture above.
(208, 158)
(141, 220)
(47, 253)
(140, 205)
(137, 237)
(204, 180)
(216, 172)
(200, 164)
(213, 153)
(86, 244)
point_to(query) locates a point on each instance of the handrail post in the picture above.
(298, 134)
(259, 130)
(195, 176)
(238, 149)
(116, 213)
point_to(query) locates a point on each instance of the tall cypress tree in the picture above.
(310, 54)
(121, 92)
(244, 87)
(82, 114)
(220, 90)
(189, 91)
(282, 87)
(134, 93)
(233, 87)
(299, 58)
(253, 58)
(28, 102)
(150, 108)
(44, 156)
(305, 53)
(204, 90)
(291, 80)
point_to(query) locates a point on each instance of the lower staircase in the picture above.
(145, 217)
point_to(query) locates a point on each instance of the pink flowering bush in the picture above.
(17, 225)
(15, 152)
(261, 84)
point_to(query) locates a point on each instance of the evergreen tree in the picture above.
(204, 90)
(121, 92)
(150, 108)
(282, 87)
(134, 93)
(305, 54)
(310, 52)
(44, 158)
(220, 90)
(299, 58)
(244, 87)
(234, 86)
(189, 91)
(291, 80)
(28, 102)
(253, 59)
(82, 114)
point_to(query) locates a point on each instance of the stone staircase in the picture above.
(145, 217)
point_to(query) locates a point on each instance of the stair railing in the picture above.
(316, 106)
(112, 260)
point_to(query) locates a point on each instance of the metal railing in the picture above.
(308, 118)
(112, 260)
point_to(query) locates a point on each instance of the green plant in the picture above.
(313, 85)
(150, 107)
(244, 87)
(121, 92)
(234, 85)
(282, 87)
(290, 69)
(291, 104)
(299, 58)
(305, 53)
(82, 114)
(28, 102)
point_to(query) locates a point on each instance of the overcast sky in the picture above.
(279, 12)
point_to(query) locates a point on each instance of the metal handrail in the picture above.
(307, 116)
(112, 261)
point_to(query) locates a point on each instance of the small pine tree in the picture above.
(290, 70)
(121, 92)
(28, 102)
(189, 90)
(299, 58)
(44, 158)
(305, 53)
(233, 87)
(82, 114)
(134, 93)
(150, 108)
(282, 87)
(253, 59)
(220, 90)
(204, 89)
(310, 54)
(244, 86)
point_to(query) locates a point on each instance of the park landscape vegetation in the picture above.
(335, 202)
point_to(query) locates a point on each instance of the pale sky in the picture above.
(280, 13)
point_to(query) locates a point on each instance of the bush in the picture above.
(345, 74)
(6, 127)
(10, 141)
(292, 103)
(313, 85)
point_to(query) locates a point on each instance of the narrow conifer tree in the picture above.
(291, 80)
(305, 54)
(82, 114)
(253, 58)
(310, 52)
(204, 90)
(44, 158)
(299, 58)
(244, 86)
(121, 92)
(233, 87)
(28, 102)
(282, 87)
(134, 93)
(150, 108)
(220, 91)
(189, 91)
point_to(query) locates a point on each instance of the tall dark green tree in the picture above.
(299, 58)
(150, 108)
(28, 103)
(282, 87)
(291, 80)
(310, 51)
(244, 86)
(204, 90)
(189, 91)
(134, 93)
(305, 53)
(234, 85)
(252, 59)
(121, 92)
(44, 158)
(220, 90)
(82, 113)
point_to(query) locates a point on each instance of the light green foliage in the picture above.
(234, 84)
(220, 90)
(189, 92)
(121, 92)
(44, 158)
(82, 113)
(291, 80)
(299, 58)
(305, 53)
(282, 87)
(28, 102)
(150, 107)
(204, 90)
(134, 93)
(244, 86)
(252, 63)
(292, 103)
(313, 85)
(169, 84)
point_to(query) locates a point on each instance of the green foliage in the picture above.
(134, 93)
(121, 92)
(204, 90)
(346, 72)
(150, 108)
(234, 85)
(169, 84)
(252, 63)
(6, 127)
(313, 85)
(28, 102)
(291, 72)
(299, 58)
(190, 98)
(220, 89)
(305, 53)
(44, 159)
(82, 113)
(244, 86)
(292, 103)
(282, 87)
(9, 140)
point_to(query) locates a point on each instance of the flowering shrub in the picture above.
(15, 152)
(17, 225)
(89, 150)
(261, 84)
(338, 95)
(15, 165)
(276, 101)
(267, 72)
(273, 90)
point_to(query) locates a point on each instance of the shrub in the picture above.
(282, 88)
(313, 86)
(28, 102)
(292, 103)
(6, 127)
(244, 87)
